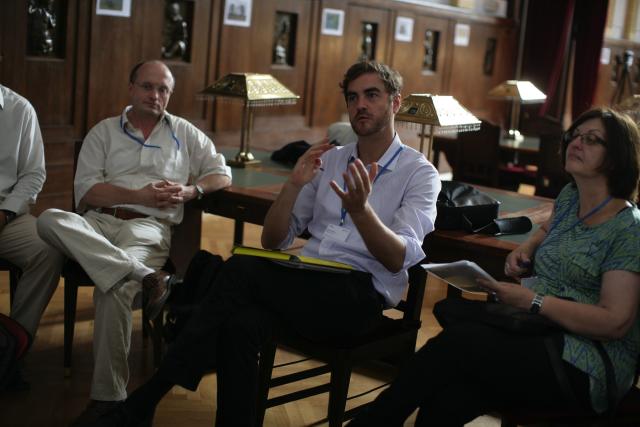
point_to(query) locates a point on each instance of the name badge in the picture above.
(336, 233)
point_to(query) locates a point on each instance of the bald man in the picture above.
(135, 172)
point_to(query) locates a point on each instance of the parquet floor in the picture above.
(55, 401)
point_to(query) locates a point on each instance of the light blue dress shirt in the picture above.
(404, 198)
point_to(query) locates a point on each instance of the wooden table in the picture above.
(255, 188)
(523, 151)
(489, 251)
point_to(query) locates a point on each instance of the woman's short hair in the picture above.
(391, 78)
(622, 154)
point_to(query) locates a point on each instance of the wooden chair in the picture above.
(395, 340)
(551, 177)
(478, 156)
(75, 277)
(14, 276)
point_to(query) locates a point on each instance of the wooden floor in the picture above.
(55, 401)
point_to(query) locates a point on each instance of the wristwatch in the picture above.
(200, 192)
(536, 304)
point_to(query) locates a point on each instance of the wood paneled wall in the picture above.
(74, 91)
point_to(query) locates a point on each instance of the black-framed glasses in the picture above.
(588, 138)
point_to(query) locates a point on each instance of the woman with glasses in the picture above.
(580, 269)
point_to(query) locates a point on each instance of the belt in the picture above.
(122, 213)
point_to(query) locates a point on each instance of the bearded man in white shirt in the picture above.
(368, 204)
(134, 174)
(22, 174)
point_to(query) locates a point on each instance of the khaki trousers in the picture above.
(109, 249)
(40, 265)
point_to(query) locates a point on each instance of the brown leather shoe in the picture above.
(156, 289)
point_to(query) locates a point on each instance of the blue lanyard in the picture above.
(141, 142)
(343, 212)
(557, 220)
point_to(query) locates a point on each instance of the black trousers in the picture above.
(471, 369)
(251, 299)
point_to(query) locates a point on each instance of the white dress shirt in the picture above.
(404, 198)
(114, 152)
(22, 171)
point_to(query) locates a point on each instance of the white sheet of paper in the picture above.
(460, 274)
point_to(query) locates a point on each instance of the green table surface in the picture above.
(268, 173)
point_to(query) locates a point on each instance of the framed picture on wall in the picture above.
(237, 13)
(404, 29)
(332, 22)
(113, 7)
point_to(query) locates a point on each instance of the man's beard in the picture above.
(373, 127)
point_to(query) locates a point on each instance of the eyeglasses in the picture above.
(148, 87)
(590, 139)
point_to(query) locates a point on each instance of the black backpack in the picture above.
(14, 343)
(199, 277)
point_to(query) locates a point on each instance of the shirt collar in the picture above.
(388, 155)
(1, 97)
(166, 117)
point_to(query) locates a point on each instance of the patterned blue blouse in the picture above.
(570, 263)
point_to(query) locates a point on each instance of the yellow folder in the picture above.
(292, 260)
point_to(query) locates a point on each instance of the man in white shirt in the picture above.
(368, 204)
(22, 174)
(134, 174)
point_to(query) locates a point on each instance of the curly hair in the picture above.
(391, 78)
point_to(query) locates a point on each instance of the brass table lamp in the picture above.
(436, 110)
(518, 92)
(253, 90)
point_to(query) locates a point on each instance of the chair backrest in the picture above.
(411, 306)
(77, 146)
(394, 343)
(551, 177)
(478, 156)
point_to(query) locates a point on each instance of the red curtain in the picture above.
(589, 24)
(551, 27)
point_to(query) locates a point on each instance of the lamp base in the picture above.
(242, 160)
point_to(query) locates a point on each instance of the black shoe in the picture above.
(120, 416)
(157, 287)
(94, 411)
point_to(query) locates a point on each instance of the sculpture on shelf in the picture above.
(42, 25)
(281, 42)
(367, 42)
(176, 34)
(489, 56)
(429, 62)
(622, 76)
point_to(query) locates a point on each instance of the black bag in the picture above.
(502, 316)
(291, 152)
(506, 317)
(14, 343)
(463, 207)
(198, 278)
